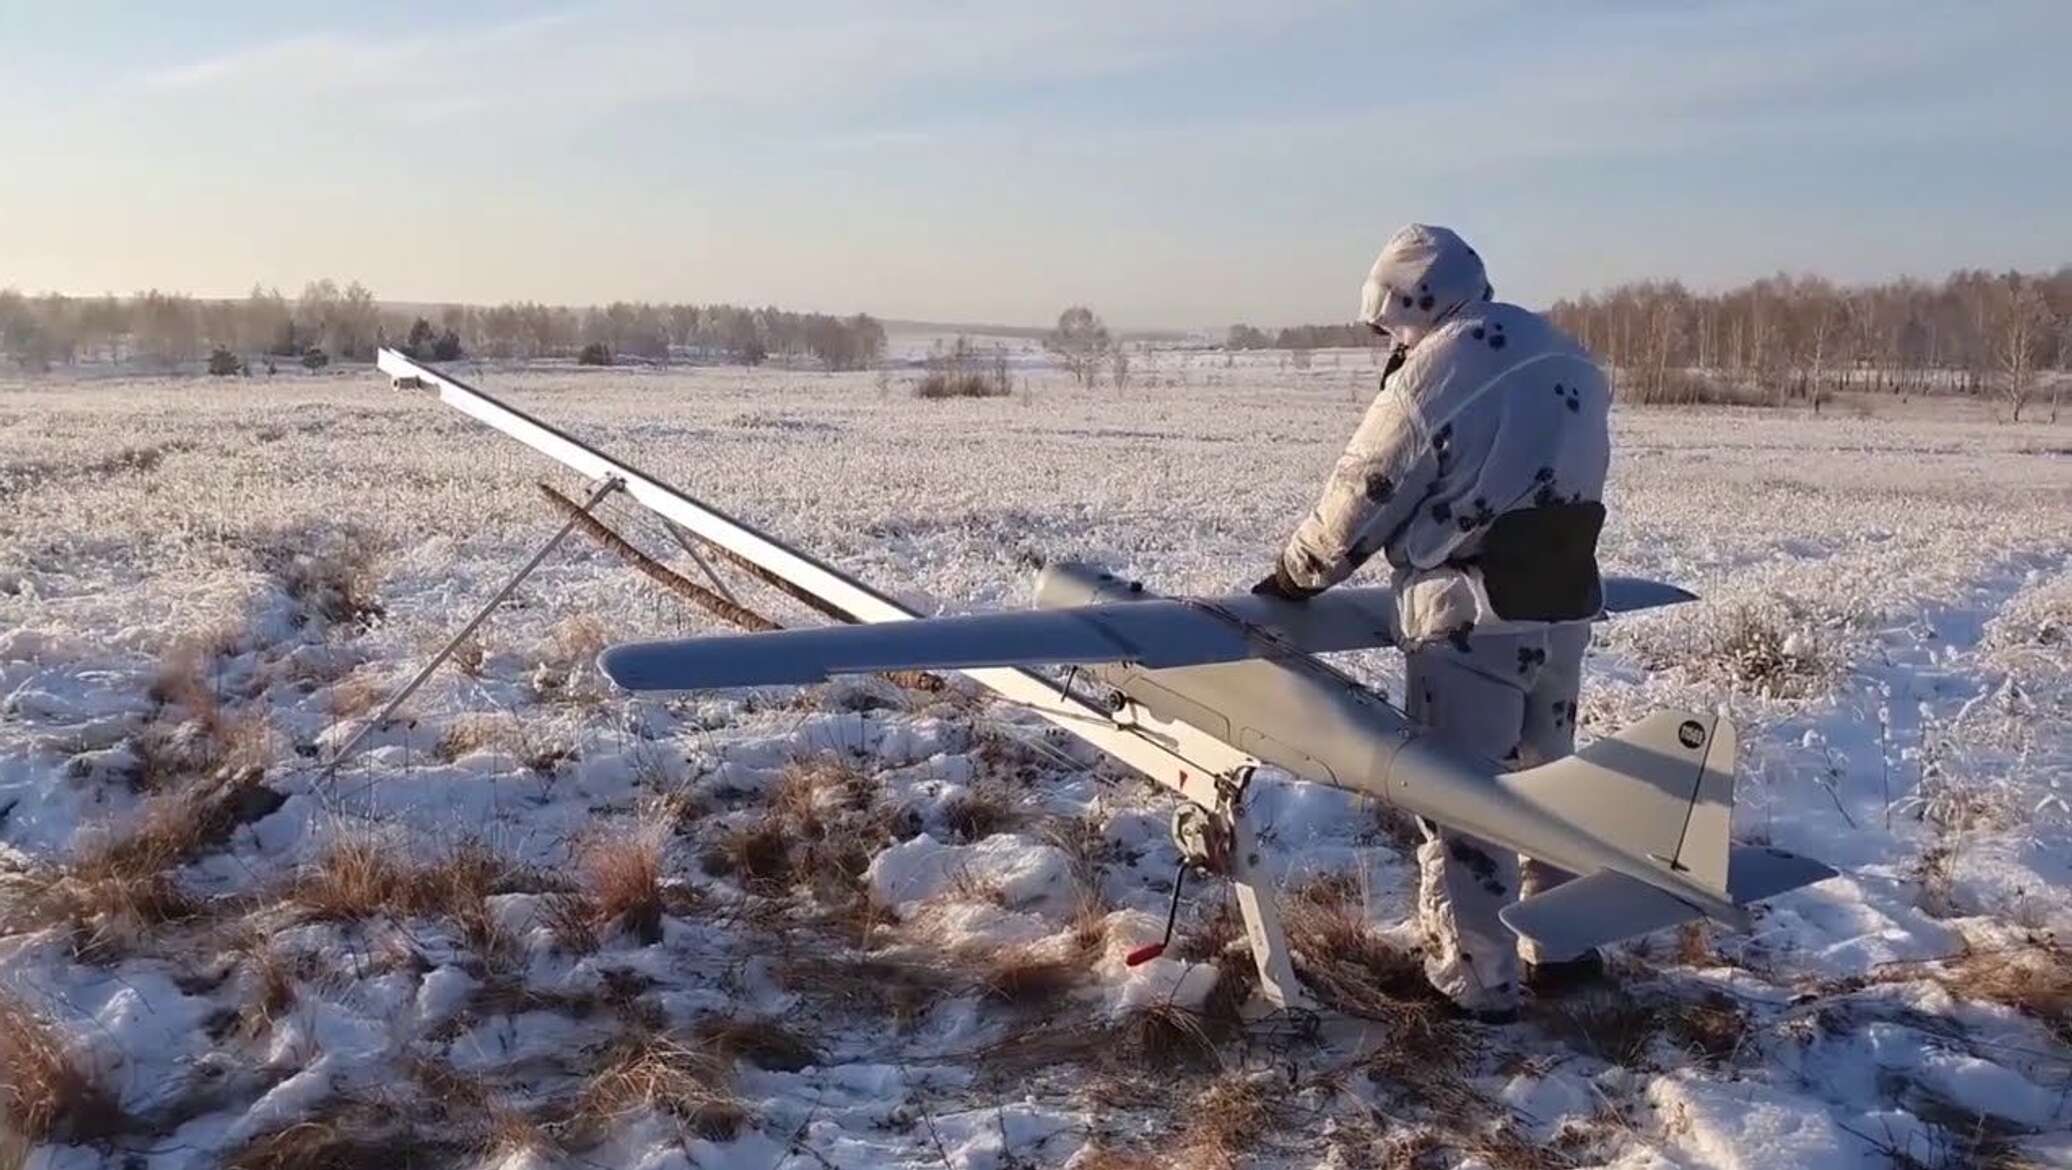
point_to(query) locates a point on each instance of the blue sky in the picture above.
(1168, 163)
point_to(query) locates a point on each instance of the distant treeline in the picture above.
(1301, 337)
(1803, 337)
(169, 329)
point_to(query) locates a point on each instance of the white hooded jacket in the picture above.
(1491, 410)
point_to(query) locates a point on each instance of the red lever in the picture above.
(1145, 954)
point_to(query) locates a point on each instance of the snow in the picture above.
(1887, 619)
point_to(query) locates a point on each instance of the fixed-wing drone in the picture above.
(1201, 691)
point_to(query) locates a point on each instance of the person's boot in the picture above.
(1556, 978)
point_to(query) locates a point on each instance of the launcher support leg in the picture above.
(388, 709)
(1256, 901)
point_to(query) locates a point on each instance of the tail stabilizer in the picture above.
(1759, 872)
(1593, 911)
(1662, 789)
(1608, 906)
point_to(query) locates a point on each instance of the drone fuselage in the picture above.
(1297, 713)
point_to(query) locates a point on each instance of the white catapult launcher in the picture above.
(1202, 692)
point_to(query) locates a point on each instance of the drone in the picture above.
(1199, 693)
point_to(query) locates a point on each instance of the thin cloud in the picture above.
(611, 56)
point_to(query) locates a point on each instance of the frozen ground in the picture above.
(853, 926)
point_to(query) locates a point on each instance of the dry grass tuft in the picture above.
(356, 877)
(1765, 649)
(756, 855)
(979, 812)
(361, 876)
(469, 655)
(473, 733)
(1611, 1025)
(572, 917)
(1025, 976)
(349, 1136)
(1214, 935)
(1095, 1156)
(1347, 964)
(895, 988)
(45, 1094)
(354, 695)
(1227, 1119)
(1694, 945)
(820, 827)
(120, 885)
(621, 873)
(1715, 1028)
(2035, 980)
(576, 641)
(1164, 1035)
(648, 1070)
(337, 584)
(182, 677)
(763, 1043)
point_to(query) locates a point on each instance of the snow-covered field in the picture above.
(852, 926)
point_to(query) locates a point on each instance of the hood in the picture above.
(1423, 276)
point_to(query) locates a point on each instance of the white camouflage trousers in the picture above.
(1509, 698)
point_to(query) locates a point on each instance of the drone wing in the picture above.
(1156, 632)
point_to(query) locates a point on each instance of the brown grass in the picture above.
(1026, 976)
(1167, 1036)
(182, 678)
(1095, 1156)
(650, 1070)
(348, 1136)
(1346, 963)
(979, 812)
(361, 876)
(267, 986)
(45, 1093)
(14, 1149)
(820, 827)
(756, 855)
(354, 695)
(1715, 1028)
(473, 733)
(622, 873)
(356, 877)
(1612, 1025)
(121, 884)
(764, 1043)
(576, 641)
(572, 917)
(1227, 1119)
(2035, 980)
(337, 585)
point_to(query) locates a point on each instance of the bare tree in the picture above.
(1081, 342)
(2057, 384)
(1119, 367)
(2023, 321)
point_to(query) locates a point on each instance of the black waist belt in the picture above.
(1540, 564)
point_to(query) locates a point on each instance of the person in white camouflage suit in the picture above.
(1477, 472)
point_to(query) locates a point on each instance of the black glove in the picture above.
(1280, 585)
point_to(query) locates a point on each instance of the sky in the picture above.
(1167, 163)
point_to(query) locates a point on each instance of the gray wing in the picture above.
(1156, 633)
